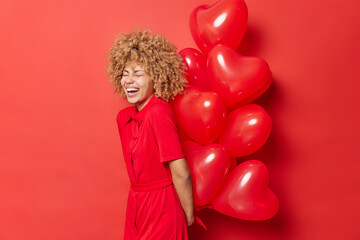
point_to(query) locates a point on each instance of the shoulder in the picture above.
(124, 115)
(160, 108)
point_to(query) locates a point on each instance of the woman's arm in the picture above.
(182, 182)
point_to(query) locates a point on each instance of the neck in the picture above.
(141, 105)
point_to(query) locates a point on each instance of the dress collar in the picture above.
(140, 115)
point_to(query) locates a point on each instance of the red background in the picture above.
(62, 174)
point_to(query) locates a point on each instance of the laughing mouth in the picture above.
(132, 90)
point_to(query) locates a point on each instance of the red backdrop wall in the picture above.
(62, 174)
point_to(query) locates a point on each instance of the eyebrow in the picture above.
(134, 71)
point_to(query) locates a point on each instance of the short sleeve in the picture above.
(163, 124)
(121, 116)
(120, 119)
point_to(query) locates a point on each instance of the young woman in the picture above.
(148, 72)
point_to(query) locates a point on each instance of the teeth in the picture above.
(132, 89)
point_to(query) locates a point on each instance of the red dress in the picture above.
(149, 140)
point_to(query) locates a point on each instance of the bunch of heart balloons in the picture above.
(217, 121)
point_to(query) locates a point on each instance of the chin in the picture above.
(133, 100)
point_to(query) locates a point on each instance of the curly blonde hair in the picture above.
(156, 55)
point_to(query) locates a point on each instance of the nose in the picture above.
(129, 79)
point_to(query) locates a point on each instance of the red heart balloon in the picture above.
(238, 79)
(196, 68)
(202, 115)
(246, 195)
(209, 166)
(224, 22)
(247, 129)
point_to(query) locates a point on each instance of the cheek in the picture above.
(122, 82)
(150, 88)
(150, 84)
(146, 84)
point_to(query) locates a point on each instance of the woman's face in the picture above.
(137, 85)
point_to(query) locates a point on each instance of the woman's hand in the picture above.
(190, 220)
